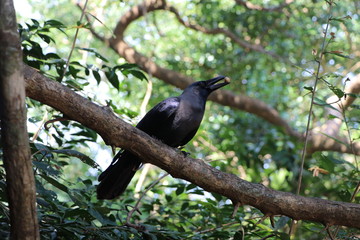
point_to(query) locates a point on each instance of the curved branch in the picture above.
(226, 98)
(116, 132)
(252, 6)
(153, 5)
(224, 31)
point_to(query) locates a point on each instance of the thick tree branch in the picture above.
(224, 97)
(20, 184)
(114, 131)
(252, 6)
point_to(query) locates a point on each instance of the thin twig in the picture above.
(329, 233)
(310, 111)
(304, 150)
(218, 227)
(268, 236)
(74, 41)
(135, 208)
(36, 135)
(59, 119)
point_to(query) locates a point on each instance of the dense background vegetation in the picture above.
(278, 67)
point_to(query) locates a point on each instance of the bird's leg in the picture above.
(183, 152)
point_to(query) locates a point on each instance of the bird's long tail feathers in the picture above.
(114, 180)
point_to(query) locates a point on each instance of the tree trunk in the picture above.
(14, 136)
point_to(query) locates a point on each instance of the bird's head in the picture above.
(204, 88)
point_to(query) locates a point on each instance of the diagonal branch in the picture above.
(115, 131)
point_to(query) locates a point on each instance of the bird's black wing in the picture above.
(158, 121)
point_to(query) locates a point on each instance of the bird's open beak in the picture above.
(211, 83)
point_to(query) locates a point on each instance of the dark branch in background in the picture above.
(252, 6)
(116, 132)
(223, 97)
(224, 31)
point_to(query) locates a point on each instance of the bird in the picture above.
(174, 121)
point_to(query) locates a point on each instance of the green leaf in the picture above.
(97, 215)
(98, 55)
(84, 158)
(321, 102)
(283, 220)
(45, 167)
(311, 89)
(96, 76)
(46, 38)
(338, 53)
(338, 92)
(54, 23)
(133, 69)
(184, 206)
(113, 78)
(336, 140)
(55, 183)
(138, 74)
(36, 22)
(125, 111)
(283, 236)
(180, 189)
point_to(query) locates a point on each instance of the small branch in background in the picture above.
(304, 150)
(242, 43)
(218, 227)
(36, 135)
(311, 108)
(146, 99)
(59, 119)
(74, 41)
(141, 180)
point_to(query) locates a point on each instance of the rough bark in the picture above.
(318, 140)
(19, 174)
(116, 132)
